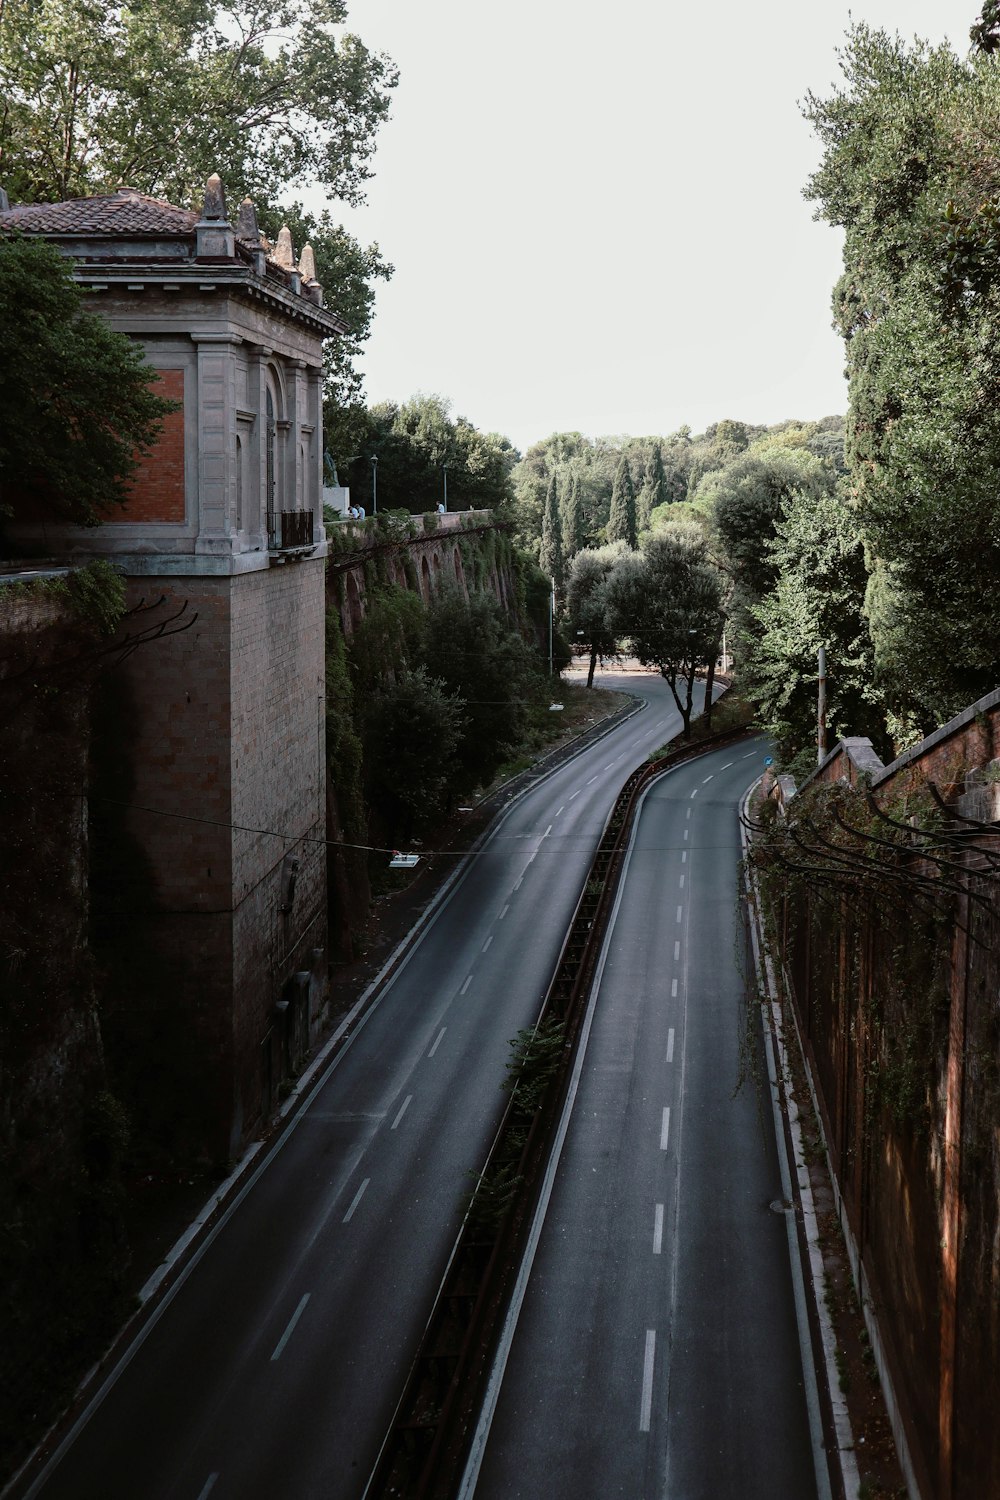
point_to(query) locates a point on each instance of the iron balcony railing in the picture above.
(289, 528)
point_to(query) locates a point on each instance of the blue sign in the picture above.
(769, 760)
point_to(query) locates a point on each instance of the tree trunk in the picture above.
(593, 664)
(709, 684)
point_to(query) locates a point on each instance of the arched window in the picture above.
(271, 491)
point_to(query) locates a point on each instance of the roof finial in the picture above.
(307, 263)
(215, 198)
(284, 254)
(247, 228)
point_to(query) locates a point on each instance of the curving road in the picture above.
(657, 1353)
(274, 1366)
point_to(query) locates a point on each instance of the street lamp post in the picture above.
(374, 484)
(444, 471)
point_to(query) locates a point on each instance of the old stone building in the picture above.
(208, 791)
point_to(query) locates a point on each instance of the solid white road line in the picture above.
(465, 986)
(402, 1112)
(505, 911)
(658, 1230)
(296, 1315)
(357, 1199)
(645, 1411)
(437, 1041)
(665, 1128)
(487, 942)
(517, 883)
(670, 1042)
(209, 1484)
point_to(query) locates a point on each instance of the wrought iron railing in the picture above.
(289, 528)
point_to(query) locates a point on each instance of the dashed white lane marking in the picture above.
(684, 853)
(670, 1045)
(560, 810)
(673, 989)
(437, 1041)
(646, 1408)
(591, 781)
(750, 756)
(708, 778)
(677, 950)
(665, 1128)
(682, 882)
(402, 1111)
(658, 1230)
(693, 794)
(487, 942)
(686, 832)
(574, 794)
(296, 1315)
(727, 765)
(505, 911)
(465, 986)
(517, 883)
(680, 913)
(689, 810)
(209, 1485)
(357, 1199)
(547, 832)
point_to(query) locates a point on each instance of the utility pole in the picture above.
(374, 484)
(444, 471)
(552, 610)
(821, 710)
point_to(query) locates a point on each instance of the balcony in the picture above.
(290, 530)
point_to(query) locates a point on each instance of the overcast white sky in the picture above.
(595, 211)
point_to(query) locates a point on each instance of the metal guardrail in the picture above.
(423, 1455)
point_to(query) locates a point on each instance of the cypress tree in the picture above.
(621, 522)
(655, 489)
(573, 527)
(550, 557)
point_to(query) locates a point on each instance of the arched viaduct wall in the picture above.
(424, 554)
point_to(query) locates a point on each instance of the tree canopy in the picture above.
(911, 170)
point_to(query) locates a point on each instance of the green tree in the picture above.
(574, 520)
(587, 602)
(412, 728)
(667, 599)
(622, 520)
(550, 556)
(485, 665)
(161, 94)
(911, 171)
(816, 598)
(655, 491)
(76, 403)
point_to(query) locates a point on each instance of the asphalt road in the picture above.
(656, 1353)
(275, 1365)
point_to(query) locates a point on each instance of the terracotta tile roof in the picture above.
(124, 213)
